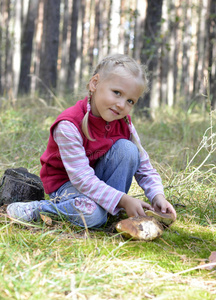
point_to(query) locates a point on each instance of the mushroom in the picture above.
(140, 228)
(165, 219)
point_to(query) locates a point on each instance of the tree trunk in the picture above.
(150, 54)
(105, 23)
(8, 50)
(86, 8)
(35, 83)
(108, 40)
(184, 89)
(82, 56)
(193, 49)
(73, 46)
(114, 25)
(25, 8)
(168, 32)
(27, 46)
(91, 35)
(64, 50)
(141, 6)
(165, 48)
(199, 74)
(97, 31)
(212, 53)
(78, 86)
(17, 46)
(1, 47)
(100, 36)
(122, 27)
(171, 57)
(49, 53)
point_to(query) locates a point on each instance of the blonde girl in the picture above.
(94, 151)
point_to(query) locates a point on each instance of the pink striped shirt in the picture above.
(83, 177)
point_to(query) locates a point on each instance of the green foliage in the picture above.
(63, 261)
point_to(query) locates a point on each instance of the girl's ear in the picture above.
(94, 82)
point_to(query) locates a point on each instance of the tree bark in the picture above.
(199, 73)
(49, 53)
(84, 63)
(1, 48)
(8, 50)
(73, 46)
(97, 31)
(115, 25)
(168, 33)
(184, 89)
(27, 46)
(165, 48)
(105, 30)
(212, 53)
(64, 50)
(17, 46)
(78, 85)
(108, 40)
(35, 83)
(82, 56)
(141, 6)
(150, 54)
(171, 57)
(91, 35)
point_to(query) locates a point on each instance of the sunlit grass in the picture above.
(48, 263)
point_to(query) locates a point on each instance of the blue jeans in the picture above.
(116, 168)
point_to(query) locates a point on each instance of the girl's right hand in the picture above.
(133, 207)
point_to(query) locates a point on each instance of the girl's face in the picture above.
(114, 96)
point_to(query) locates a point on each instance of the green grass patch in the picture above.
(63, 261)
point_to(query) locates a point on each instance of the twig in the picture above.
(189, 270)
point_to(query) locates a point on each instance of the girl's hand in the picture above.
(160, 204)
(133, 207)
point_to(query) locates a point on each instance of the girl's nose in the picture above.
(120, 104)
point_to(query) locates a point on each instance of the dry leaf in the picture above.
(212, 260)
(147, 295)
(212, 257)
(47, 220)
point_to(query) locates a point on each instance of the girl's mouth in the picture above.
(115, 112)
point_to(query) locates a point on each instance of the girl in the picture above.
(94, 151)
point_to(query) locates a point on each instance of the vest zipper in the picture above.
(107, 128)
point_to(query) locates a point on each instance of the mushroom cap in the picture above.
(140, 228)
(165, 219)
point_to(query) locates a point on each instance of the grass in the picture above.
(65, 262)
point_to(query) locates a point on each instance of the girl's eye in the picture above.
(130, 101)
(117, 93)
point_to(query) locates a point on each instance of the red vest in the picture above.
(53, 173)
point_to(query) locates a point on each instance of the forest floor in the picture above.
(61, 261)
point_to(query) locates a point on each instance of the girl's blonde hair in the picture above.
(110, 65)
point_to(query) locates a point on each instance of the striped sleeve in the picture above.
(146, 176)
(80, 173)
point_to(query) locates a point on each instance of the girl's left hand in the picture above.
(160, 204)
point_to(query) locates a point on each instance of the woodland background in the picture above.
(50, 47)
